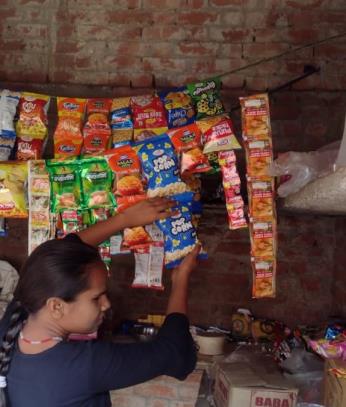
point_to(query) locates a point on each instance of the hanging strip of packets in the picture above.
(257, 136)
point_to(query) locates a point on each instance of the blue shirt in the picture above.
(80, 374)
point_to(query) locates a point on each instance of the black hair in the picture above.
(56, 268)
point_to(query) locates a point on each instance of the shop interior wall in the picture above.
(106, 48)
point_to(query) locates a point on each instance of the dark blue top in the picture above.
(80, 374)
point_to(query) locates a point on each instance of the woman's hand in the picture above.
(147, 211)
(187, 265)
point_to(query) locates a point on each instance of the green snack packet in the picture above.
(96, 180)
(65, 185)
(206, 97)
(213, 159)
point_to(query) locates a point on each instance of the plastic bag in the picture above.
(302, 168)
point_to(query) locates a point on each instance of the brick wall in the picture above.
(108, 48)
(140, 43)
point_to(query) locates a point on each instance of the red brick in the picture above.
(197, 3)
(163, 32)
(227, 3)
(308, 4)
(169, 64)
(303, 36)
(7, 12)
(233, 81)
(197, 48)
(141, 80)
(140, 17)
(198, 18)
(233, 35)
(264, 50)
(162, 4)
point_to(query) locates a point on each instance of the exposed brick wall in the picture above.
(139, 43)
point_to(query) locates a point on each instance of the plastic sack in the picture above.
(8, 282)
(302, 168)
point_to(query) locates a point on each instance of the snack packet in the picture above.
(148, 266)
(121, 122)
(68, 138)
(149, 116)
(134, 237)
(263, 235)
(179, 107)
(29, 148)
(218, 134)
(261, 203)
(65, 185)
(8, 106)
(180, 235)
(206, 97)
(13, 179)
(96, 183)
(255, 117)
(264, 276)
(160, 166)
(97, 130)
(32, 120)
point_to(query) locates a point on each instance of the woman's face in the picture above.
(85, 314)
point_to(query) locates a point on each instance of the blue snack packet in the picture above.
(160, 167)
(179, 107)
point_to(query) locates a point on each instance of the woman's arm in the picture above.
(140, 214)
(177, 301)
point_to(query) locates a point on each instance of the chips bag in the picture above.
(179, 107)
(149, 117)
(29, 148)
(121, 122)
(180, 235)
(32, 120)
(160, 166)
(97, 130)
(8, 106)
(218, 134)
(68, 138)
(206, 97)
(96, 180)
(13, 179)
(65, 185)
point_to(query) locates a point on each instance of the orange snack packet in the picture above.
(259, 156)
(262, 237)
(261, 196)
(264, 276)
(68, 138)
(97, 130)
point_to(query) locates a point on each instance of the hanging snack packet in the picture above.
(8, 106)
(160, 166)
(32, 120)
(97, 130)
(264, 277)
(180, 235)
(134, 237)
(13, 179)
(149, 117)
(206, 97)
(261, 196)
(68, 138)
(255, 117)
(179, 107)
(187, 142)
(218, 134)
(121, 122)
(262, 238)
(259, 155)
(148, 266)
(96, 183)
(65, 185)
(125, 164)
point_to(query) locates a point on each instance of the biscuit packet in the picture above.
(68, 137)
(97, 131)
(263, 235)
(149, 266)
(160, 167)
(218, 134)
(8, 107)
(264, 277)
(13, 181)
(121, 121)
(187, 143)
(66, 189)
(255, 117)
(261, 197)
(96, 179)
(179, 107)
(32, 121)
(149, 116)
(206, 97)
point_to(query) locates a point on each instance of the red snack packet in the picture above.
(148, 112)
(28, 148)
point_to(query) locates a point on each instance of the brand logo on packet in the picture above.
(28, 107)
(203, 89)
(7, 207)
(70, 106)
(63, 177)
(187, 137)
(181, 226)
(67, 149)
(271, 402)
(163, 163)
(125, 162)
(97, 175)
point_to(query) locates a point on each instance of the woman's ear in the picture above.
(56, 307)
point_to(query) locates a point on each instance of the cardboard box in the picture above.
(334, 387)
(243, 385)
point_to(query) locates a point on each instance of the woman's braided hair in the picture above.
(57, 268)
